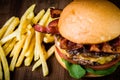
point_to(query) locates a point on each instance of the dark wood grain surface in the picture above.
(9, 8)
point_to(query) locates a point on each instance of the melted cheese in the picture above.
(100, 60)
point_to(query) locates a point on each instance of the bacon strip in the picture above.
(55, 12)
(109, 47)
(66, 44)
(51, 28)
(94, 48)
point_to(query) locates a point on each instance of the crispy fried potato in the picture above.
(12, 26)
(4, 64)
(29, 59)
(39, 36)
(48, 38)
(31, 48)
(9, 48)
(30, 52)
(38, 46)
(38, 16)
(1, 73)
(30, 16)
(24, 22)
(5, 26)
(47, 55)
(23, 43)
(9, 37)
(30, 33)
(15, 52)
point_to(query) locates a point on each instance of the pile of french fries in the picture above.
(23, 44)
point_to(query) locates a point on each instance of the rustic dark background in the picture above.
(9, 8)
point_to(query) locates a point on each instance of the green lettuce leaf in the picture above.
(103, 72)
(75, 71)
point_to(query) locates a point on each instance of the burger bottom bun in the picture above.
(63, 65)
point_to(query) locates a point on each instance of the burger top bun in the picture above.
(90, 21)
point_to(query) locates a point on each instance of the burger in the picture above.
(89, 39)
(88, 42)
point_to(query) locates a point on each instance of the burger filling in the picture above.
(89, 55)
(100, 59)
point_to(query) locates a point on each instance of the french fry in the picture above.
(48, 54)
(31, 48)
(30, 52)
(38, 16)
(43, 61)
(38, 42)
(4, 64)
(12, 26)
(25, 47)
(9, 37)
(6, 44)
(48, 21)
(10, 47)
(5, 26)
(15, 52)
(48, 38)
(28, 59)
(24, 22)
(1, 73)
(38, 46)
(24, 43)
(39, 36)
(45, 18)
(30, 16)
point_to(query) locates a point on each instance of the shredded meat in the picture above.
(112, 46)
(94, 48)
(64, 43)
(55, 12)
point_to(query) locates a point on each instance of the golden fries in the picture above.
(28, 59)
(48, 54)
(30, 52)
(5, 26)
(31, 48)
(9, 37)
(19, 40)
(45, 18)
(48, 38)
(15, 52)
(4, 64)
(38, 16)
(38, 45)
(10, 47)
(24, 22)
(25, 47)
(12, 26)
(1, 73)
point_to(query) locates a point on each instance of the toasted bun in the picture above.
(63, 65)
(90, 22)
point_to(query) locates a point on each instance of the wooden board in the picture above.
(9, 8)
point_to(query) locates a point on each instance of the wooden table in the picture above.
(9, 8)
